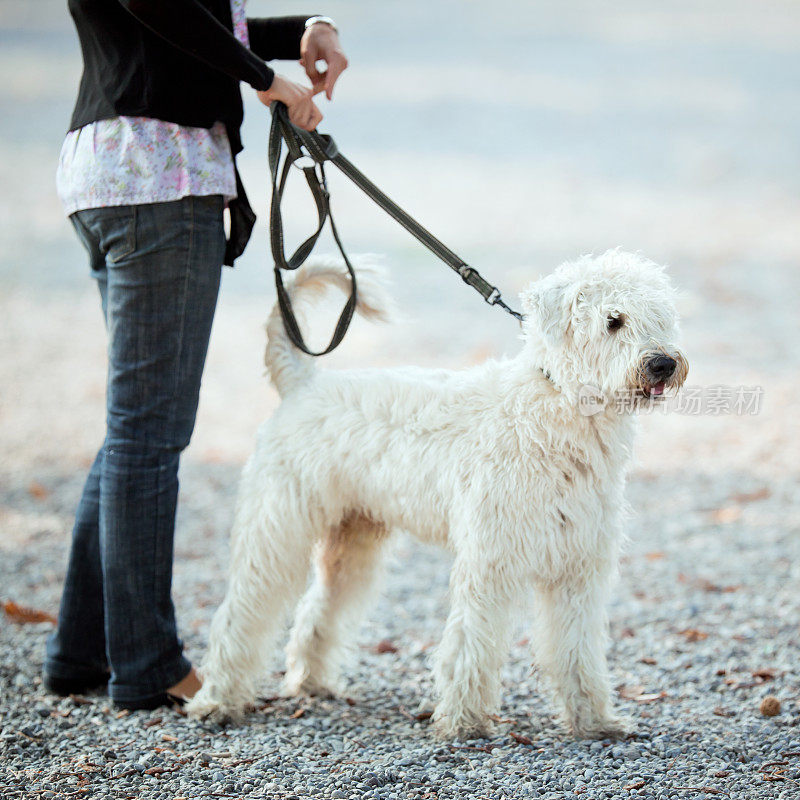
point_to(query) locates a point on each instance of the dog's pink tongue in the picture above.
(657, 388)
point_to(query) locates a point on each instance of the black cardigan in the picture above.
(177, 61)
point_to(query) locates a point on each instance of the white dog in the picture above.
(499, 463)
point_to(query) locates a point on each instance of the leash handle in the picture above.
(282, 131)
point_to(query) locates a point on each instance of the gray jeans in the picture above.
(158, 270)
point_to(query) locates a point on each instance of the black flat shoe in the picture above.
(67, 686)
(149, 703)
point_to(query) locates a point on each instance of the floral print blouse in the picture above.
(132, 160)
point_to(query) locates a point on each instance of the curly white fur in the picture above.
(496, 463)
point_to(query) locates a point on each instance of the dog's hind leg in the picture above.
(474, 646)
(571, 638)
(345, 564)
(271, 551)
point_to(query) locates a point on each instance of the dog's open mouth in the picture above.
(655, 390)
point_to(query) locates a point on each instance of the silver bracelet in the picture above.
(324, 20)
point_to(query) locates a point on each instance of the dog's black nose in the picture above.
(661, 367)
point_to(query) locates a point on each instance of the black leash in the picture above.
(320, 148)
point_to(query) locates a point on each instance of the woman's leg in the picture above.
(76, 651)
(161, 301)
(163, 269)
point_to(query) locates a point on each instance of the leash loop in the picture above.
(321, 148)
(283, 131)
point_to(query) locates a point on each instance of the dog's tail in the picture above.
(288, 366)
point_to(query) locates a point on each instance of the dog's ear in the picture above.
(547, 302)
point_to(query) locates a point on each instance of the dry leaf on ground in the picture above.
(709, 586)
(765, 674)
(37, 491)
(693, 635)
(23, 615)
(651, 698)
(638, 694)
(631, 692)
(750, 497)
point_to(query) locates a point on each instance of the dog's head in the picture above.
(607, 322)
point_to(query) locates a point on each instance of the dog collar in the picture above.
(547, 375)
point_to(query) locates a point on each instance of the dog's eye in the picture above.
(615, 323)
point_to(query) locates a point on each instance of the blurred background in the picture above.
(522, 134)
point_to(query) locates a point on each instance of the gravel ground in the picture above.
(648, 127)
(701, 634)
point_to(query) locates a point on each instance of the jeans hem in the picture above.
(129, 693)
(62, 670)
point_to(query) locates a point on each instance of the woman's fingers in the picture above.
(301, 118)
(309, 62)
(337, 64)
(298, 99)
(321, 43)
(305, 114)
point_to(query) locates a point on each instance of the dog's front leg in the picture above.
(269, 565)
(572, 639)
(473, 648)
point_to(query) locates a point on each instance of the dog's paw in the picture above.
(448, 726)
(610, 727)
(299, 685)
(205, 708)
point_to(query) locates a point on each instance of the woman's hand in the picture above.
(320, 42)
(299, 101)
